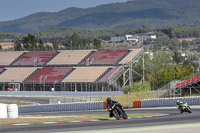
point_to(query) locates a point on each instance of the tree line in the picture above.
(30, 42)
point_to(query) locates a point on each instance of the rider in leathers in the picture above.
(110, 104)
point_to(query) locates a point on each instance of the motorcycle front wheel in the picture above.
(116, 114)
(189, 111)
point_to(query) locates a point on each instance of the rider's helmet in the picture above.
(108, 100)
(178, 102)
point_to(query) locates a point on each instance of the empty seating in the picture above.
(85, 74)
(198, 77)
(112, 71)
(104, 56)
(7, 57)
(133, 53)
(1, 69)
(16, 74)
(188, 81)
(35, 58)
(49, 74)
(67, 57)
(178, 84)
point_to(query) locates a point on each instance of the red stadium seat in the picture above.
(105, 56)
(183, 83)
(193, 79)
(178, 84)
(35, 58)
(188, 81)
(49, 74)
(198, 77)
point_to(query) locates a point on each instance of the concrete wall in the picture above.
(62, 107)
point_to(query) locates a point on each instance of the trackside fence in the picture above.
(81, 106)
(165, 102)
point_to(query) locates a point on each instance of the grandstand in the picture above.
(69, 57)
(106, 57)
(35, 58)
(186, 86)
(16, 74)
(6, 58)
(67, 70)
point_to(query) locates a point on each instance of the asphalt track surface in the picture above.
(174, 118)
(39, 100)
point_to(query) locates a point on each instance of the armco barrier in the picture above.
(62, 107)
(165, 102)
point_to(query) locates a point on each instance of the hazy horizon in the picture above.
(14, 9)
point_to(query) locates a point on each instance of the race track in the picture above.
(173, 118)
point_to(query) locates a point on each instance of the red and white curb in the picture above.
(26, 124)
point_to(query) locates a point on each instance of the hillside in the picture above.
(152, 13)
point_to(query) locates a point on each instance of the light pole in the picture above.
(71, 45)
(174, 73)
(192, 71)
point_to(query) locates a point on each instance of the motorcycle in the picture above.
(118, 112)
(185, 108)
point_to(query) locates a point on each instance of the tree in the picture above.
(55, 45)
(176, 58)
(17, 45)
(41, 45)
(74, 41)
(185, 44)
(29, 42)
(97, 43)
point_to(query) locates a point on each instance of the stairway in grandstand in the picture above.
(2, 70)
(51, 58)
(106, 77)
(18, 58)
(31, 75)
(67, 74)
(7, 57)
(86, 57)
(122, 57)
(103, 74)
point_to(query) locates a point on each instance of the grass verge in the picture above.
(60, 118)
(126, 101)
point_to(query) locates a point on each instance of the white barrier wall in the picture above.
(12, 111)
(3, 110)
(62, 107)
(168, 102)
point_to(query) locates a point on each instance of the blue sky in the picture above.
(13, 9)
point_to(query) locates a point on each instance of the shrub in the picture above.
(137, 86)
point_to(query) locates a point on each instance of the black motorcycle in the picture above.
(118, 112)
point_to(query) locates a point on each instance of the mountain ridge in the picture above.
(151, 13)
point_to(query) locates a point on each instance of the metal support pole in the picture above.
(143, 68)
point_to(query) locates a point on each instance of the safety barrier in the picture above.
(81, 106)
(165, 102)
(137, 104)
(8, 110)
